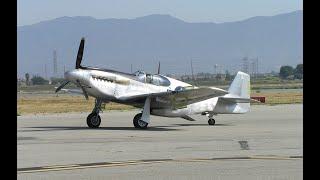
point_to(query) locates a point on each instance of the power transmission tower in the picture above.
(215, 69)
(245, 65)
(252, 73)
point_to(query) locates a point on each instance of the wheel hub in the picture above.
(95, 120)
(142, 123)
(211, 121)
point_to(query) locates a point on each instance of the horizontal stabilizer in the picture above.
(236, 99)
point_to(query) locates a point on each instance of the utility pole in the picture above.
(45, 71)
(257, 67)
(55, 63)
(193, 79)
(215, 69)
(192, 71)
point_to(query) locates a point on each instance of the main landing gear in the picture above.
(142, 119)
(93, 119)
(138, 123)
(211, 121)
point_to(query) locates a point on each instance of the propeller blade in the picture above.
(83, 90)
(80, 54)
(62, 85)
(159, 68)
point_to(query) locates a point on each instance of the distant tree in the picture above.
(298, 71)
(55, 80)
(286, 71)
(273, 73)
(38, 80)
(27, 76)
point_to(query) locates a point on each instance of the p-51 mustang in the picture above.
(155, 94)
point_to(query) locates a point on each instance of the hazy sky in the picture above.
(33, 11)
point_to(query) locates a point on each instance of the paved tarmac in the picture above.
(265, 143)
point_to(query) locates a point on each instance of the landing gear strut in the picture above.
(138, 123)
(93, 119)
(142, 120)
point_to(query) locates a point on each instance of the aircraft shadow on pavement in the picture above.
(67, 128)
(203, 124)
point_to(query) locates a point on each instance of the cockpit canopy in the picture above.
(154, 79)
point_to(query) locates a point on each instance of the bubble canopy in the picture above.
(155, 79)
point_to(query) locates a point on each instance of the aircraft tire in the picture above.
(211, 122)
(138, 123)
(93, 120)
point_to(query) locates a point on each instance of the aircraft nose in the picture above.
(67, 75)
(75, 75)
(71, 75)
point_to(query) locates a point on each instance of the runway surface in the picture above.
(263, 144)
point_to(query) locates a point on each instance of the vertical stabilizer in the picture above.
(240, 86)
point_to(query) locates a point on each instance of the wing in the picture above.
(179, 99)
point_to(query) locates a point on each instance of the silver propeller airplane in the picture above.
(155, 94)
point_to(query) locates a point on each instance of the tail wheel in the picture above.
(138, 123)
(93, 120)
(211, 122)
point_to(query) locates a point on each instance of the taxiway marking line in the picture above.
(59, 166)
(77, 166)
(148, 161)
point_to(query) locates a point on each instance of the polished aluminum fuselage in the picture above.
(118, 87)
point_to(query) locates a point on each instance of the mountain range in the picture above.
(139, 43)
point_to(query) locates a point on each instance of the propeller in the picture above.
(61, 86)
(80, 54)
(78, 66)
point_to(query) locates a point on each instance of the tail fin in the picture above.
(238, 99)
(240, 86)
